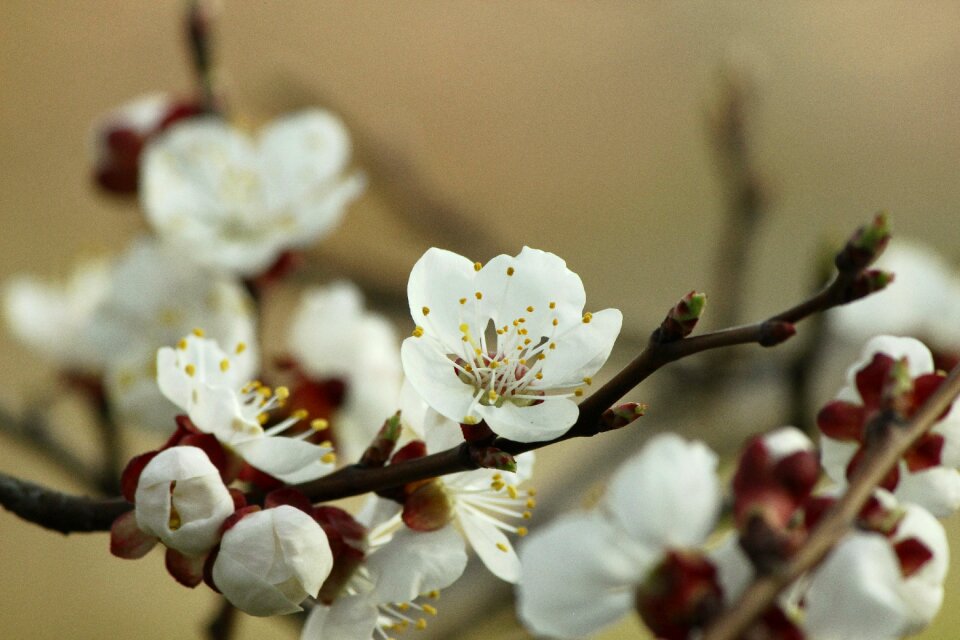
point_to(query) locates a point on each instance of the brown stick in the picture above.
(839, 520)
(59, 511)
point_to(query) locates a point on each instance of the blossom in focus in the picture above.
(507, 343)
(382, 591)
(236, 202)
(878, 587)
(120, 136)
(348, 364)
(212, 387)
(586, 570)
(270, 561)
(927, 475)
(55, 318)
(181, 500)
(155, 296)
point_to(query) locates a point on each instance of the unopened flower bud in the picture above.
(271, 561)
(865, 245)
(621, 415)
(382, 446)
(866, 283)
(773, 333)
(681, 319)
(181, 499)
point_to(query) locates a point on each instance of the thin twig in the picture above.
(837, 522)
(223, 623)
(198, 27)
(59, 511)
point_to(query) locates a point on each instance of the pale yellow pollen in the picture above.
(328, 458)
(512, 492)
(469, 420)
(478, 295)
(587, 317)
(262, 418)
(497, 485)
(319, 424)
(578, 392)
(326, 444)
(464, 339)
(495, 364)
(265, 391)
(198, 332)
(300, 414)
(492, 395)
(464, 328)
(588, 380)
(510, 271)
(283, 393)
(502, 547)
(418, 332)
(421, 624)
(190, 369)
(531, 503)
(553, 305)
(523, 361)
(555, 322)
(478, 351)
(530, 309)
(477, 266)
(224, 364)
(182, 344)
(426, 311)
(527, 515)
(241, 347)
(463, 301)
(522, 531)
(429, 609)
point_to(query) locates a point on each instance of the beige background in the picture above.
(573, 127)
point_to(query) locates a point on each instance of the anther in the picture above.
(478, 295)
(198, 332)
(502, 547)
(530, 309)
(319, 424)
(182, 344)
(418, 332)
(328, 458)
(587, 317)
(241, 347)
(224, 364)
(477, 266)
(426, 311)
(510, 271)
(190, 370)
(522, 531)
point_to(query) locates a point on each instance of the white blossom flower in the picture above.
(861, 592)
(54, 318)
(238, 203)
(333, 337)
(382, 595)
(181, 499)
(211, 388)
(155, 297)
(933, 486)
(272, 560)
(494, 342)
(581, 572)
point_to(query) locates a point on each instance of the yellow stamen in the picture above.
(529, 309)
(502, 547)
(512, 491)
(587, 317)
(463, 301)
(477, 266)
(190, 369)
(328, 458)
(429, 609)
(426, 311)
(510, 271)
(283, 393)
(553, 305)
(224, 364)
(182, 344)
(578, 392)
(198, 332)
(241, 347)
(531, 503)
(522, 531)
(300, 414)
(319, 424)
(418, 332)
(588, 380)
(478, 295)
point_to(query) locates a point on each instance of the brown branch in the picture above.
(837, 522)
(356, 480)
(223, 623)
(59, 511)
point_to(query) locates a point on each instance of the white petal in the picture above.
(438, 281)
(923, 591)
(734, 570)
(919, 359)
(491, 545)
(668, 495)
(288, 459)
(581, 350)
(348, 618)
(300, 151)
(433, 377)
(532, 423)
(304, 545)
(949, 428)
(835, 455)
(854, 595)
(786, 441)
(577, 577)
(936, 489)
(413, 563)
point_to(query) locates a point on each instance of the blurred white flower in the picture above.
(869, 588)
(582, 571)
(214, 391)
(181, 499)
(237, 203)
(55, 318)
(928, 473)
(155, 297)
(494, 342)
(332, 337)
(270, 561)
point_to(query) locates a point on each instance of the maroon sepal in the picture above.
(872, 379)
(131, 474)
(410, 451)
(842, 421)
(260, 479)
(427, 508)
(208, 568)
(186, 570)
(913, 555)
(127, 540)
(476, 432)
(237, 516)
(347, 539)
(682, 594)
(239, 498)
(925, 453)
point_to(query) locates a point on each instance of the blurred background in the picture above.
(579, 128)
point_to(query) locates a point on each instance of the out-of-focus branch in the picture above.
(199, 18)
(59, 511)
(744, 190)
(837, 522)
(223, 623)
(32, 430)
